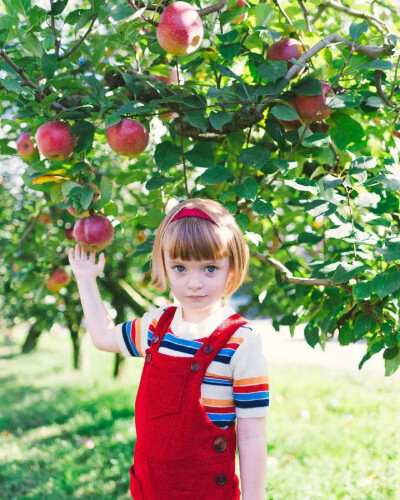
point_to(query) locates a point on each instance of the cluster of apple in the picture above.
(309, 108)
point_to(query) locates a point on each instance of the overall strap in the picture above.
(216, 341)
(162, 327)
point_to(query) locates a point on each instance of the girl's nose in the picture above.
(194, 282)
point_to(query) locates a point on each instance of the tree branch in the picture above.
(379, 88)
(136, 8)
(212, 8)
(276, 2)
(372, 51)
(306, 15)
(20, 71)
(379, 25)
(288, 276)
(72, 49)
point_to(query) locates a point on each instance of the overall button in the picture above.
(220, 444)
(155, 339)
(195, 366)
(221, 479)
(148, 357)
(208, 349)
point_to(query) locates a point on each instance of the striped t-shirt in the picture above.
(236, 381)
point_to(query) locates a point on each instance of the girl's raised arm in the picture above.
(98, 322)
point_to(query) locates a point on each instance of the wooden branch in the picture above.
(28, 82)
(379, 88)
(136, 9)
(78, 44)
(212, 8)
(306, 15)
(379, 25)
(276, 2)
(288, 276)
(372, 51)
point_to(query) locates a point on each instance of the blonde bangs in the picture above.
(194, 238)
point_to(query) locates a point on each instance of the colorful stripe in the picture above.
(128, 333)
(251, 392)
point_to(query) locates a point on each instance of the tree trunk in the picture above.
(31, 339)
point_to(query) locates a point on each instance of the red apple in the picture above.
(242, 17)
(58, 279)
(180, 30)
(26, 149)
(313, 108)
(171, 78)
(284, 50)
(291, 124)
(55, 141)
(94, 232)
(44, 219)
(128, 137)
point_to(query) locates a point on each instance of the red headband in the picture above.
(192, 212)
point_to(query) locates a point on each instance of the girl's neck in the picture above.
(196, 316)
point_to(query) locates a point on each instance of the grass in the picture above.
(70, 435)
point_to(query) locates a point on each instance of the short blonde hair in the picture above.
(194, 238)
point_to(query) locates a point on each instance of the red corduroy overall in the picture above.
(179, 453)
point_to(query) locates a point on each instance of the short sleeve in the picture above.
(250, 375)
(134, 336)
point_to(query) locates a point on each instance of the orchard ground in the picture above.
(332, 430)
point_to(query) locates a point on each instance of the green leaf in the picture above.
(272, 70)
(285, 112)
(263, 13)
(105, 189)
(391, 352)
(73, 17)
(378, 64)
(361, 164)
(391, 365)
(230, 14)
(364, 323)
(284, 165)
(330, 181)
(215, 175)
(389, 181)
(357, 29)
(152, 219)
(311, 334)
(67, 186)
(49, 65)
(228, 37)
(362, 290)
(301, 184)
(219, 118)
(309, 238)
(386, 283)
(5, 149)
(112, 120)
(158, 182)
(21, 6)
(56, 193)
(344, 101)
(243, 221)
(263, 208)
(377, 346)
(167, 155)
(345, 271)
(365, 358)
(346, 334)
(111, 208)
(58, 7)
(339, 232)
(308, 86)
(391, 249)
(256, 156)
(11, 85)
(86, 198)
(229, 50)
(197, 119)
(346, 131)
(317, 140)
(247, 190)
(202, 155)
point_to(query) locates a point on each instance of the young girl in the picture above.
(204, 367)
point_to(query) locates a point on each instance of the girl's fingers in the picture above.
(77, 252)
(92, 256)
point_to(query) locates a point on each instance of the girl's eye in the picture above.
(178, 268)
(213, 268)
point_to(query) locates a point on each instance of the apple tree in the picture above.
(287, 112)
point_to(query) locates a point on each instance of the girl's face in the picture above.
(198, 285)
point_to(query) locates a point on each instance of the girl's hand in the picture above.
(83, 263)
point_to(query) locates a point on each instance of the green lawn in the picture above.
(70, 435)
